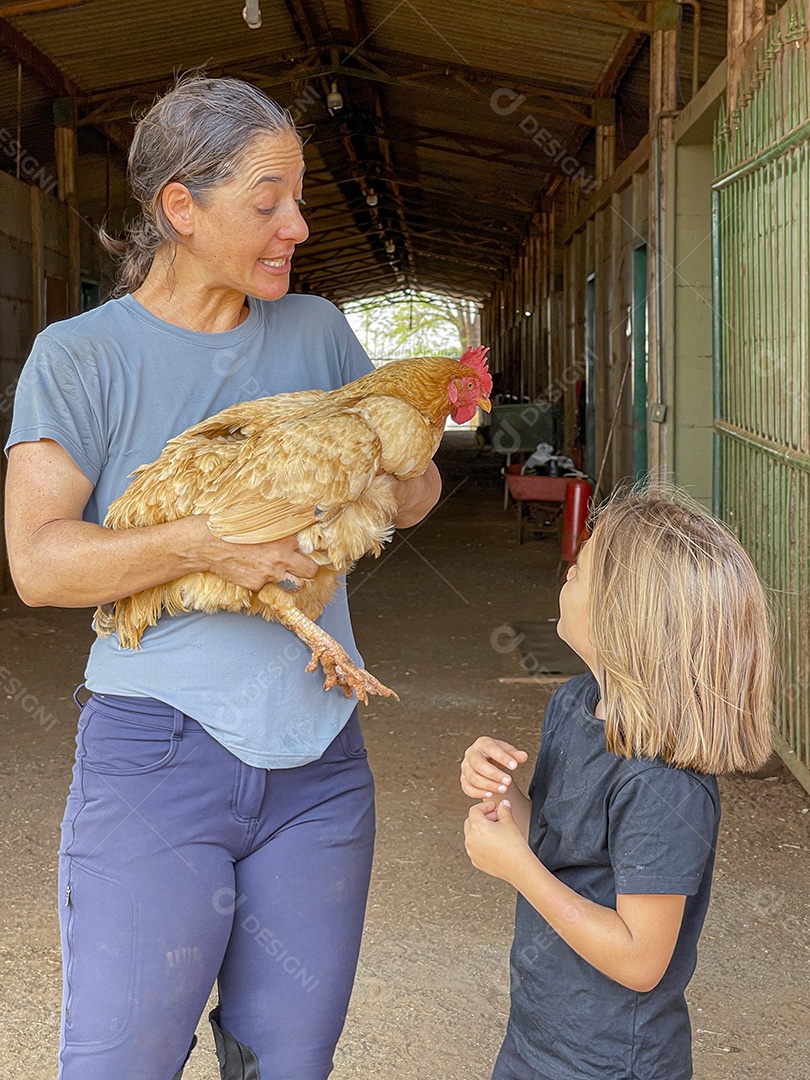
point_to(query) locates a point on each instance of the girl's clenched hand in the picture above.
(486, 766)
(494, 841)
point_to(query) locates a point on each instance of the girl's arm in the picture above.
(632, 945)
(484, 775)
(58, 559)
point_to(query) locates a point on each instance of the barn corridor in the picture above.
(431, 995)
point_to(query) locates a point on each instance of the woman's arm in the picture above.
(632, 945)
(59, 560)
(417, 497)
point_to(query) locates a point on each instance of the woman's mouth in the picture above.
(277, 266)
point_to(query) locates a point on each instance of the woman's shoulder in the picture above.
(81, 335)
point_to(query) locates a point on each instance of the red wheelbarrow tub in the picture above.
(535, 488)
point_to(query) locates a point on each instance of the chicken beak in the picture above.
(484, 403)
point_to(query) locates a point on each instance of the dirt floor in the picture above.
(431, 996)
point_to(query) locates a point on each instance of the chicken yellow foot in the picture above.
(338, 666)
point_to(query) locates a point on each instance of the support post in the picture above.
(663, 108)
(67, 151)
(745, 20)
(37, 261)
(605, 116)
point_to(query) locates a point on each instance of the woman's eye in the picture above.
(266, 212)
(301, 202)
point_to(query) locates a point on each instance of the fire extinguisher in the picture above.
(575, 517)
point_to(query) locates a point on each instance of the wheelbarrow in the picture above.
(540, 501)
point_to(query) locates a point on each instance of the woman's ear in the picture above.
(178, 206)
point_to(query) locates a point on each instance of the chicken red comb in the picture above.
(476, 358)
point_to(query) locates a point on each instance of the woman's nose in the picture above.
(295, 228)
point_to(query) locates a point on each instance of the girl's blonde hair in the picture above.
(682, 633)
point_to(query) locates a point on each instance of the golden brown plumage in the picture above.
(314, 463)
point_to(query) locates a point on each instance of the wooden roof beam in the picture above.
(608, 13)
(312, 62)
(607, 87)
(446, 189)
(37, 62)
(324, 249)
(359, 34)
(486, 76)
(506, 238)
(34, 7)
(461, 147)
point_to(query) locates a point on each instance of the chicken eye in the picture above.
(470, 384)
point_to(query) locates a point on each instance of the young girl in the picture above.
(612, 851)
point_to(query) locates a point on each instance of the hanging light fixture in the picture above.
(390, 247)
(371, 199)
(252, 14)
(334, 99)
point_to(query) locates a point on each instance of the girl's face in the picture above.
(573, 623)
(243, 236)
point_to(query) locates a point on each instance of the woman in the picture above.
(220, 821)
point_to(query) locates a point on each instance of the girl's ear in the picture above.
(178, 206)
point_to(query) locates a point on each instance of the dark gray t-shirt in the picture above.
(112, 387)
(604, 825)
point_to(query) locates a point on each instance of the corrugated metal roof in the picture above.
(458, 177)
(106, 43)
(506, 37)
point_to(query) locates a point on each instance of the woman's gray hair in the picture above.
(197, 134)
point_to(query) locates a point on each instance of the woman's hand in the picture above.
(417, 497)
(483, 769)
(495, 842)
(254, 565)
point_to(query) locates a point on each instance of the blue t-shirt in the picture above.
(112, 386)
(606, 825)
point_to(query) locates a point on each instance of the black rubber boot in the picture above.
(236, 1062)
(179, 1073)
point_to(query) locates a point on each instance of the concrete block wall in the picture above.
(692, 370)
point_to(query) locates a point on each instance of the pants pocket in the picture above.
(114, 746)
(98, 932)
(350, 739)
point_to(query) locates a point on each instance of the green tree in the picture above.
(414, 323)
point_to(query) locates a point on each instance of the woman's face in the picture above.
(573, 623)
(244, 236)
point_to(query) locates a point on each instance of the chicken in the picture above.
(317, 464)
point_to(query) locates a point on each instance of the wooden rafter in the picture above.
(309, 63)
(358, 33)
(37, 62)
(500, 158)
(608, 86)
(34, 7)
(607, 13)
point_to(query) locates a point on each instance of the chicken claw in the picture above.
(338, 666)
(341, 671)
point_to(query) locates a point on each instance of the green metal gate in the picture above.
(761, 252)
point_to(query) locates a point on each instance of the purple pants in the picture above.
(181, 866)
